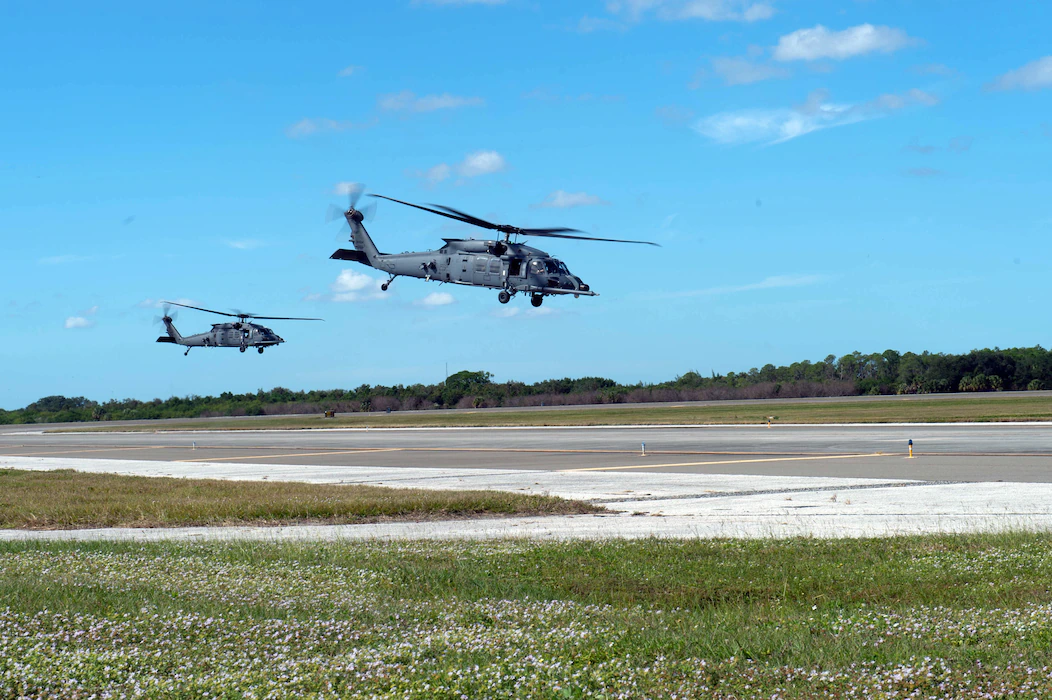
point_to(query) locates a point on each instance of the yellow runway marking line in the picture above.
(296, 454)
(728, 461)
(600, 452)
(101, 449)
(525, 450)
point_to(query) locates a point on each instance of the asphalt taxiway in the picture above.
(969, 452)
(688, 481)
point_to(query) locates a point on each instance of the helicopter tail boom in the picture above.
(173, 334)
(363, 244)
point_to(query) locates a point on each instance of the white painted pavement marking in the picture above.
(746, 506)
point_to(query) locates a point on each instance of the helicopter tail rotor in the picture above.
(354, 191)
(168, 317)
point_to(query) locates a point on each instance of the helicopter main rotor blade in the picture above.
(559, 232)
(549, 234)
(198, 308)
(468, 218)
(456, 217)
(284, 318)
(543, 231)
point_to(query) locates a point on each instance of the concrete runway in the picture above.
(969, 452)
(725, 481)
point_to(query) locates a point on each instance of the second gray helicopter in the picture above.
(502, 263)
(241, 334)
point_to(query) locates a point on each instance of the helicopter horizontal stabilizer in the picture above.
(554, 290)
(166, 339)
(352, 255)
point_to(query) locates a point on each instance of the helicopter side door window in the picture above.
(514, 267)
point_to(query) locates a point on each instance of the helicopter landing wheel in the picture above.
(503, 297)
(384, 286)
(242, 348)
(537, 300)
(260, 350)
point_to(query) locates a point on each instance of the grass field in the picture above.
(67, 499)
(947, 616)
(1019, 406)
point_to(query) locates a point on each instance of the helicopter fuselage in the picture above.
(234, 335)
(240, 335)
(513, 267)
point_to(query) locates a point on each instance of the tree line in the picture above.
(889, 372)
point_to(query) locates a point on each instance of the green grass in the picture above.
(946, 616)
(69, 499)
(991, 407)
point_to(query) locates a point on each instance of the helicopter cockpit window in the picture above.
(537, 267)
(552, 266)
(562, 267)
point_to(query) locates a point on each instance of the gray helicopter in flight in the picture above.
(503, 264)
(241, 334)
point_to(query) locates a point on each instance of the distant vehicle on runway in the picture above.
(240, 334)
(503, 264)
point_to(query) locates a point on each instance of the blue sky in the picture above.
(823, 177)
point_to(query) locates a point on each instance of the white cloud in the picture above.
(437, 174)
(473, 165)
(433, 175)
(774, 282)
(436, 299)
(78, 322)
(546, 95)
(245, 244)
(1033, 76)
(349, 71)
(309, 127)
(933, 69)
(588, 24)
(674, 115)
(515, 311)
(960, 144)
(741, 71)
(819, 42)
(560, 199)
(481, 163)
(923, 172)
(63, 259)
(817, 113)
(406, 101)
(351, 285)
(347, 188)
(676, 10)
(158, 303)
